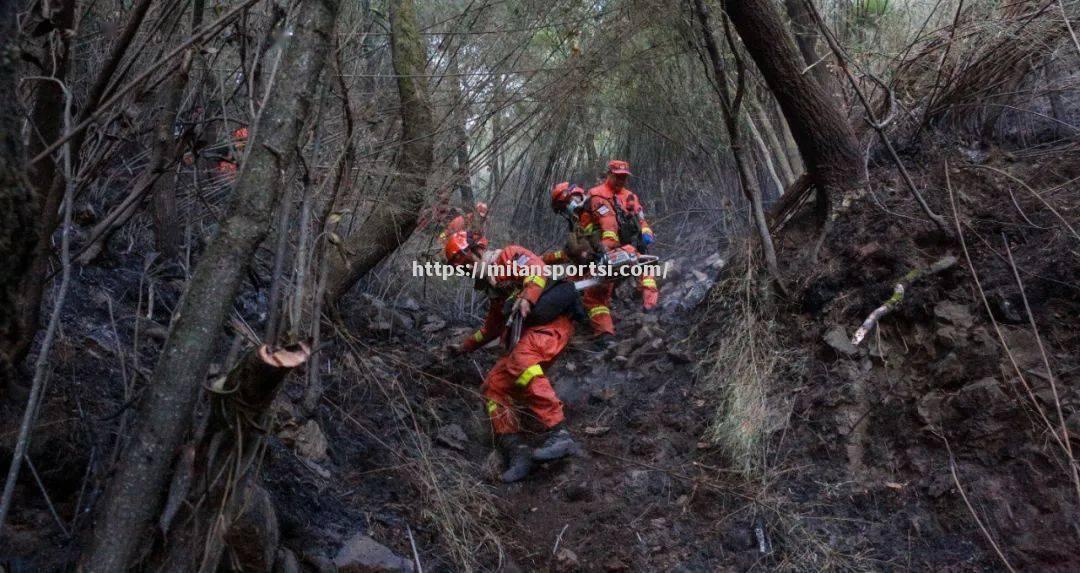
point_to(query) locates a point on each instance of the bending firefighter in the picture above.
(546, 313)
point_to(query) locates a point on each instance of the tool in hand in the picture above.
(618, 260)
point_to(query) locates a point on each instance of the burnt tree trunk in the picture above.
(392, 221)
(806, 38)
(825, 140)
(47, 114)
(50, 194)
(17, 221)
(731, 105)
(164, 152)
(167, 151)
(236, 514)
(134, 494)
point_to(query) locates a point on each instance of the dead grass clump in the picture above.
(741, 365)
(460, 506)
(453, 496)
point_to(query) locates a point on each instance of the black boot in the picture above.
(518, 457)
(558, 444)
(603, 342)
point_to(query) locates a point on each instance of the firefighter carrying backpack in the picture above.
(629, 227)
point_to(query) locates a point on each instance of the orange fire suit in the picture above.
(600, 216)
(466, 222)
(519, 375)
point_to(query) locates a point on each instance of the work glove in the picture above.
(647, 238)
(523, 307)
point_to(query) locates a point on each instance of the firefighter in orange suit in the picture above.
(566, 201)
(231, 162)
(519, 278)
(614, 211)
(472, 222)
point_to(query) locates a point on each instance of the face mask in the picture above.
(575, 203)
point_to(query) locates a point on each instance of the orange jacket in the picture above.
(508, 284)
(466, 222)
(600, 213)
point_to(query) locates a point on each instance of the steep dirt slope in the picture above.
(823, 458)
(951, 396)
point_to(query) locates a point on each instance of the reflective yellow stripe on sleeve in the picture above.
(492, 405)
(589, 228)
(598, 310)
(648, 283)
(529, 373)
(610, 235)
(536, 280)
(478, 336)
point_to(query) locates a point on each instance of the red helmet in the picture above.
(460, 243)
(562, 194)
(482, 209)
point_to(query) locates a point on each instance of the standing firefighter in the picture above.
(614, 212)
(472, 222)
(517, 287)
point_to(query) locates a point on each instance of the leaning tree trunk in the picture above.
(391, 223)
(766, 127)
(134, 495)
(806, 38)
(825, 140)
(51, 193)
(17, 229)
(163, 154)
(731, 105)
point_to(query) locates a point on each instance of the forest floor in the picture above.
(878, 458)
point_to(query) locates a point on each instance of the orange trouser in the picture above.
(650, 295)
(597, 302)
(519, 376)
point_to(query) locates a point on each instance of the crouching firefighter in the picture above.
(535, 318)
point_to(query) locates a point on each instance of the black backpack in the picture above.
(558, 299)
(629, 226)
